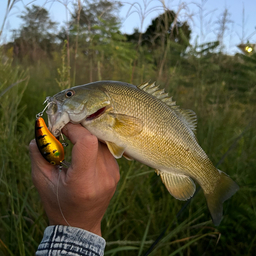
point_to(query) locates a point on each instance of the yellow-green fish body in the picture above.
(143, 123)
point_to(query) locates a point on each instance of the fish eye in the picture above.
(69, 94)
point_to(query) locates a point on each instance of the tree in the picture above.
(35, 37)
(94, 32)
(91, 14)
(163, 28)
(87, 19)
(166, 38)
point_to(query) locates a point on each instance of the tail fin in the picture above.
(225, 188)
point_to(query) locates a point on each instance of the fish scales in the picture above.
(143, 123)
(155, 135)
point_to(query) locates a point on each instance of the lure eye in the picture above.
(69, 94)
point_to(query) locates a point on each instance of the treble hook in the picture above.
(42, 112)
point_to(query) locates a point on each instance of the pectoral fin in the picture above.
(180, 186)
(127, 125)
(115, 150)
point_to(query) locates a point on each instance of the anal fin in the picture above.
(179, 186)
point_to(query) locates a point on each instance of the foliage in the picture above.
(19, 212)
(63, 72)
(10, 4)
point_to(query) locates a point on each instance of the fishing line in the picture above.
(183, 208)
(60, 169)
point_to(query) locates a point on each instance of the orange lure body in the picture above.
(49, 146)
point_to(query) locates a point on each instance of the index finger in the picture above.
(85, 150)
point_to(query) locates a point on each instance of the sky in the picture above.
(202, 16)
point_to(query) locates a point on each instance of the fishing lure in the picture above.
(50, 147)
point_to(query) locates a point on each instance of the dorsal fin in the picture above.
(187, 116)
(160, 94)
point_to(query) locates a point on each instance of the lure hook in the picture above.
(64, 144)
(42, 112)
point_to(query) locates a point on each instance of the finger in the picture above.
(35, 155)
(110, 161)
(73, 132)
(85, 150)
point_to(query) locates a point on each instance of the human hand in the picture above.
(84, 189)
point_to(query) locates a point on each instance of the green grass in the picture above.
(141, 208)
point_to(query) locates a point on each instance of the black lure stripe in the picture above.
(45, 145)
(39, 127)
(46, 153)
(41, 136)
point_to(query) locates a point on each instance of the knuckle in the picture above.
(90, 195)
(88, 141)
(110, 183)
(117, 176)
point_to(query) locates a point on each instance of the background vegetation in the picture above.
(220, 88)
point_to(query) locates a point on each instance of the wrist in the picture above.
(89, 226)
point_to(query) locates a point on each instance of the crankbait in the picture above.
(49, 146)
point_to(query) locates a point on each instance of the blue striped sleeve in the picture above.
(65, 240)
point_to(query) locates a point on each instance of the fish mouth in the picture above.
(57, 118)
(59, 115)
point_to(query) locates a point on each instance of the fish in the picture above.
(143, 123)
(49, 146)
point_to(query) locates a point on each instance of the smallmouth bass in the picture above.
(143, 123)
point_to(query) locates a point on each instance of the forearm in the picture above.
(65, 240)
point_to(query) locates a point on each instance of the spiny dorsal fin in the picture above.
(187, 116)
(160, 94)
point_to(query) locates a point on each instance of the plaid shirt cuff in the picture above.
(65, 240)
